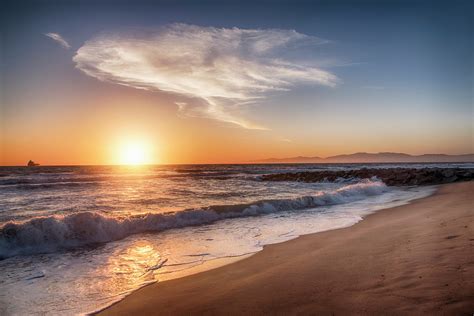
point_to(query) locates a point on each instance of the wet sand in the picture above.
(412, 259)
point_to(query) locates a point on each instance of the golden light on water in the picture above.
(130, 267)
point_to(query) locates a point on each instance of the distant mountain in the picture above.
(299, 159)
(374, 158)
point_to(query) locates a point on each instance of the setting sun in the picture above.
(134, 153)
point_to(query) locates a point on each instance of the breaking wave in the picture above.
(52, 233)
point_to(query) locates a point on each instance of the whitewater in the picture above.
(76, 239)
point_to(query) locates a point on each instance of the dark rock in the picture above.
(447, 173)
(390, 176)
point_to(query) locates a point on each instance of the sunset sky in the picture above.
(226, 83)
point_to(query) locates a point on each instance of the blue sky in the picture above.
(400, 71)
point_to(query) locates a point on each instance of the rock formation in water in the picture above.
(390, 176)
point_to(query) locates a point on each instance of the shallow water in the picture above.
(76, 239)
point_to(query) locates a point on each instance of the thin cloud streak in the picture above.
(221, 71)
(59, 39)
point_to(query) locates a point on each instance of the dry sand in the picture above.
(412, 259)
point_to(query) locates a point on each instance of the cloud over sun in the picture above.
(219, 70)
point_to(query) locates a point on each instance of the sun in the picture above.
(134, 153)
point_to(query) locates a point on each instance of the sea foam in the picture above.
(52, 233)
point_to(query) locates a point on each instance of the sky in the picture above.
(231, 82)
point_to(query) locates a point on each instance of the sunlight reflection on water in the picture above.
(88, 278)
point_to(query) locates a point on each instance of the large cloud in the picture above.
(218, 70)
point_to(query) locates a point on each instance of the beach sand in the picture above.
(412, 259)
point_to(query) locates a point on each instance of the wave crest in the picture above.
(51, 233)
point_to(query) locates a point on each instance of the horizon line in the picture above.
(267, 161)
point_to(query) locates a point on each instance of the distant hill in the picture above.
(383, 157)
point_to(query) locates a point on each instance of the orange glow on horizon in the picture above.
(72, 136)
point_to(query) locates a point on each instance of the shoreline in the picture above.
(228, 289)
(216, 263)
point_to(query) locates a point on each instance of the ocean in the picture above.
(76, 239)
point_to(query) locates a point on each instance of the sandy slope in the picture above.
(412, 259)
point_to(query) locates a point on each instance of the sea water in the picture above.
(76, 239)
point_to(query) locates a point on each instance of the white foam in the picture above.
(51, 233)
(42, 284)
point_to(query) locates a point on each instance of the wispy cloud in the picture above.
(58, 38)
(221, 71)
